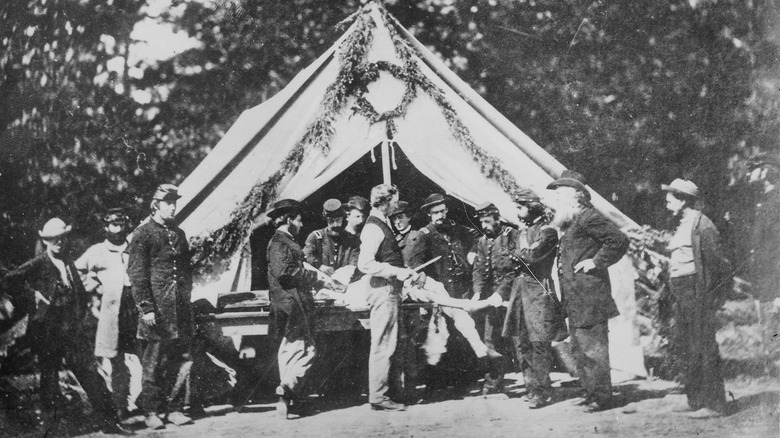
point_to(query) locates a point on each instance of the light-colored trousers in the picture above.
(295, 359)
(385, 303)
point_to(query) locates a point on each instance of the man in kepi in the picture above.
(331, 248)
(49, 289)
(292, 304)
(493, 274)
(161, 277)
(103, 269)
(589, 244)
(535, 317)
(381, 259)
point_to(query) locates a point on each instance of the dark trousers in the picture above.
(51, 345)
(694, 344)
(590, 346)
(536, 360)
(161, 361)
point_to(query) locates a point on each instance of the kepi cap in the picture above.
(55, 227)
(166, 192)
(486, 209)
(525, 196)
(332, 208)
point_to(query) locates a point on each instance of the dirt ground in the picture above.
(646, 409)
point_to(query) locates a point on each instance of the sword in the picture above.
(426, 264)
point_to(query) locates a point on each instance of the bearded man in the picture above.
(453, 242)
(103, 271)
(292, 304)
(49, 289)
(589, 244)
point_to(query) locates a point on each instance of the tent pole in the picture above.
(386, 162)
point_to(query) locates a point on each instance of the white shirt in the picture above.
(370, 239)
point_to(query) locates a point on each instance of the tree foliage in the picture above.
(631, 94)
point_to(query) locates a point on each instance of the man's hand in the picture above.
(407, 274)
(495, 300)
(327, 269)
(149, 319)
(420, 281)
(585, 266)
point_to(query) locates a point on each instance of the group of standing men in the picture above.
(144, 280)
(502, 276)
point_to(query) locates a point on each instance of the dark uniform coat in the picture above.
(587, 297)
(495, 265)
(453, 245)
(161, 276)
(764, 248)
(406, 243)
(535, 309)
(289, 283)
(336, 252)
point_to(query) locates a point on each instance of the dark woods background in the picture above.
(631, 94)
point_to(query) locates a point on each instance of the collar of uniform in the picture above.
(284, 233)
(405, 230)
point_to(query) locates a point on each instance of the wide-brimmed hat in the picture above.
(402, 207)
(525, 197)
(432, 200)
(166, 192)
(116, 216)
(283, 206)
(358, 202)
(682, 186)
(486, 209)
(570, 178)
(55, 227)
(332, 208)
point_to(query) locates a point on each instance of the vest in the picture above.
(389, 251)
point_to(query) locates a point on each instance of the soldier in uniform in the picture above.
(292, 304)
(493, 274)
(453, 242)
(49, 289)
(589, 244)
(534, 318)
(161, 278)
(103, 269)
(331, 248)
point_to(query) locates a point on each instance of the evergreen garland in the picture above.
(212, 253)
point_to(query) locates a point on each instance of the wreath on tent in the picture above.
(212, 252)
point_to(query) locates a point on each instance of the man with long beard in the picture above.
(589, 244)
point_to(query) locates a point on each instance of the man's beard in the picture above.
(335, 232)
(491, 231)
(116, 238)
(565, 212)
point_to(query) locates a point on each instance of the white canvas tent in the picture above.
(260, 141)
